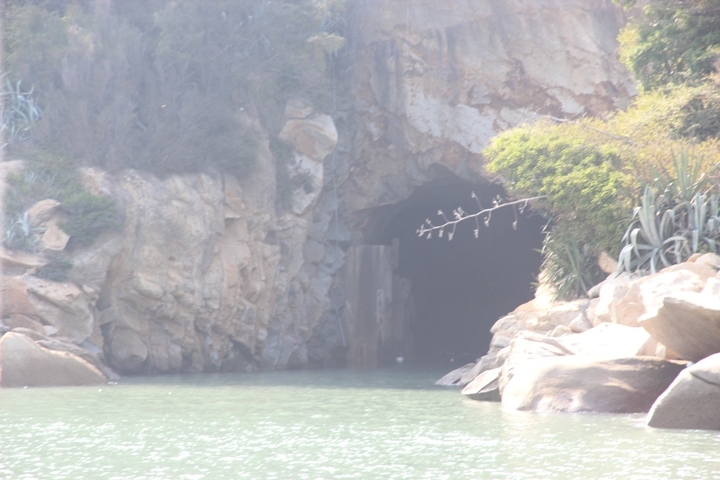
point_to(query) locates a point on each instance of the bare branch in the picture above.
(459, 215)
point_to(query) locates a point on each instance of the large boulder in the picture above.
(527, 347)
(687, 323)
(605, 341)
(64, 306)
(128, 351)
(23, 363)
(625, 303)
(692, 400)
(609, 293)
(454, 378)
(586, 384)
(484, 387)
(608, 340)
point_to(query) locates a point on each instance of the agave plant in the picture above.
(686, 180)
(21, 235)
(20, 112)
(665, 231)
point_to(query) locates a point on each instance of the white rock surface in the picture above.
(23, 363)
(692, 400)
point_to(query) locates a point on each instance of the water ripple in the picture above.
(318, 425)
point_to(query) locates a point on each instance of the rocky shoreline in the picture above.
(629, 348)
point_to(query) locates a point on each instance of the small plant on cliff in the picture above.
(21, 235)
(20, 112)
(56, 177)
(90, 216)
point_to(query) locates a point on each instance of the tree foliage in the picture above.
(586, 185)
(677, 41)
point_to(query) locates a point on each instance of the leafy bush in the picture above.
(679, 112)
(90, 215)
(570, 267)
(47, 176)
(588, 192)
(674, 42)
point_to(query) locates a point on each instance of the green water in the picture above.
(323, 424)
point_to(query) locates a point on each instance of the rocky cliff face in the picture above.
(437, 80)
(209, 274)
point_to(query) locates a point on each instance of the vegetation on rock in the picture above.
(162, 86)
(674, 42)
(593, 171)
(47, 176)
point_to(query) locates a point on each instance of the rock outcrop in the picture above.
(584, 384)
(686, 322)
(538, 362)
(484, 387)
(692, 400)
(23, 363)
(211, 274)
(437, 80)
(63, 306)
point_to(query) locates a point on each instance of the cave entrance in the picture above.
(433, 301)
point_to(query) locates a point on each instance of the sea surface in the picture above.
(340, 424)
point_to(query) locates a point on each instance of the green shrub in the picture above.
(674, 42)
(56, 270)
(44, 176)
(588, 190)
(90, 216)
(56, 177)
(570, 267)
(20, 235)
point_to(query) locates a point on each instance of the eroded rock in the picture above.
(692, 400)
(128, 351)
(64, 306)
(484, 387)
(23, 363)
(687, 323)
(647, 293)
(454, 378)
(585, 384)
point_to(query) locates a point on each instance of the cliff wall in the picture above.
(209, 274)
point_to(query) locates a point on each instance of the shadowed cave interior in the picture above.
(459, 287)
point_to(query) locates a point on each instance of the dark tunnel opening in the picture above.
(461, 287)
